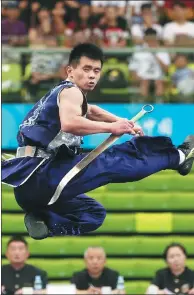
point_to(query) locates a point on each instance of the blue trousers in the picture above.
(74, 213)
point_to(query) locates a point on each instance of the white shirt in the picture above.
(138, 3)
(138, 30)
(105, 3)
(147, 66)
(172, 29)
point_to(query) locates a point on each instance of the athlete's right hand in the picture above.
(122, 126)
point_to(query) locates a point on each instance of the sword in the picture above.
(93, 154)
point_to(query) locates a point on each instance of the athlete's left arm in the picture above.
(96, 113)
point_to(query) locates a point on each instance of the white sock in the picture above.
(182, 157)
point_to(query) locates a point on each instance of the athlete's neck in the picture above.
(71, 80)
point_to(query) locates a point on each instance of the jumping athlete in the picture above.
(49, 140)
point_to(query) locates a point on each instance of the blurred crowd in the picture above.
(109, 24)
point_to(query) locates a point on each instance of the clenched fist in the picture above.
(124, 126)
(138, 130)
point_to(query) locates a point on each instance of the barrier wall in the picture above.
(174, 120)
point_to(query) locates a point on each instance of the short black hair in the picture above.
(172, 245)
(146, 6)
(178, 3)
(17, 239)
(88, 50)
(150, 32)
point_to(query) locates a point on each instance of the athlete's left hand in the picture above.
(138, 130)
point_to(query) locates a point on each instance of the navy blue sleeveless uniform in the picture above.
(35, 179)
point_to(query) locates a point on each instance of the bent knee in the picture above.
(97, 217)
(101, 214)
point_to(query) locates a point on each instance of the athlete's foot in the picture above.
(188, 149)
(36, 227)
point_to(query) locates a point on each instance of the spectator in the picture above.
(183, 77)
(60, 18)
(25, 12)
(147, 66)
(72, 8)
(14, 31)
(134, 9)
(36, 5)
(188, 9)
(43, 34)
(176, 278)
(80, 30)
(34, 9)
(137, 30)
(44, 70)
(69, 17)
(179, 32)
(85, 2)
(18, 274)
(67, 10)
(3, 13)
(99, 7)
(114, 29)
(43, 3)
(188, 3)
(96, 275)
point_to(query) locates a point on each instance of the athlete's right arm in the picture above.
(70, 113)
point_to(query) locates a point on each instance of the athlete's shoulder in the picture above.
(72, 91)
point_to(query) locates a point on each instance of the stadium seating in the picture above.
(126, 223)
(142, 219)
(41, 88)
(173, 91)
(136, 200)
(11, 81)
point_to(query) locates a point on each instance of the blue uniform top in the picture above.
(41, 127)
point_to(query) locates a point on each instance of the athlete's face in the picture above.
(86, 73)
